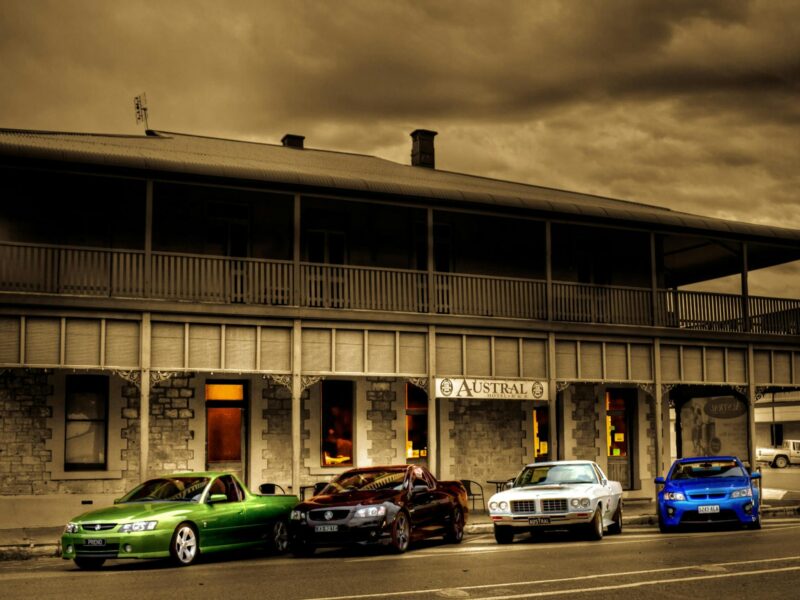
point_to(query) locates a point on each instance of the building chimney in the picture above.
(293, 141)
(422, 153)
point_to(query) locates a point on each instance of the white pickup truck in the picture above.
(788, 453)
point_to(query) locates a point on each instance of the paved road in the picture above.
(641, 563)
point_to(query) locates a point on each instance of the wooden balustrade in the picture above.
(29, 268)
(490, 296)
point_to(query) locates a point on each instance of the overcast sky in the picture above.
(682, 103)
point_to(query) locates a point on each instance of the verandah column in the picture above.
(433, 421)
(552, 388)
(297, 392)
(144, 398)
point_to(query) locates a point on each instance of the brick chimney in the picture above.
(422, 152)
(293, 141)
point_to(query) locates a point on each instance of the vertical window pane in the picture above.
(416, 422)
(224, 434)
(85, 443)
(337, 423)
(85, 426)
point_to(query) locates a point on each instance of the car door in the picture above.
(604, 493)
(225, 522)
(422, 501)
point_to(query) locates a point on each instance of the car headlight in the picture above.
(71, 528)
(674, 496)
(297, 515)
(580, 502)
(743, 493)
(138, 526)
(370, 511)
(501, 506)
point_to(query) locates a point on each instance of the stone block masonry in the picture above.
(171, 410)
(585, 419)
(276, 453)
(382, 427)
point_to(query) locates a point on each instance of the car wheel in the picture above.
(184, 547)
(455, 532)
(616, 527)
(596, 525)
(662, 527)
(781, 462)
(89, 563)
(503, 534)
(401, 532)
(302, 547)
(279, 538)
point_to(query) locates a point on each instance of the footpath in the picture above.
(24, 543)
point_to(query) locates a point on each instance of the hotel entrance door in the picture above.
(620, 408)
(226, 426)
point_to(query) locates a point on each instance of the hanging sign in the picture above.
(499, 389)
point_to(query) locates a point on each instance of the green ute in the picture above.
(179, 516)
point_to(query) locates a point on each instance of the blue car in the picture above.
(708, 489)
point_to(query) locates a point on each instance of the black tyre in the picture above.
(781, 462)
(662, 527)
(503, 534)
(401, 532)
(88, 563)
(455, 531)
(616, 527)
(185, 545)
(595, 531)
(279, 538)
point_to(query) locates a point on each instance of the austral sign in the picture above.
(497, 389)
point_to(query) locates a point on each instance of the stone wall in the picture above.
(24, 411)
(276, 435)
(170, 432)
(382, 425)
(488, 440)
(585, 419)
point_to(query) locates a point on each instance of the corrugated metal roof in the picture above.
(190, 154)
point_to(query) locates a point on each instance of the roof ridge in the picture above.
(70, 133)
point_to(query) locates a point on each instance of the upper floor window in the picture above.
(86, 423)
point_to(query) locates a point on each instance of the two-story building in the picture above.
(177, 302)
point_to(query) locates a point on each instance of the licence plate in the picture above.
(95, 542)
(325, 528)
(539, 521)
(712, 508)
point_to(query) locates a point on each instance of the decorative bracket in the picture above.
(647, 388)
(159, 376)
(282, 380)
(306, 381)
(420, 382)
(132, 377)
(562, 385)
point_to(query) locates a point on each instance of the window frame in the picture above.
(71, 387)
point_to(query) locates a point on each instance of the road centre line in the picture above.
(636, 584)
(577, 578)
(655, 537)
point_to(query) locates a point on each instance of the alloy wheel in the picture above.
(184, 545)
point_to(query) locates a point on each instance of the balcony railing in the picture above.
(47, 269)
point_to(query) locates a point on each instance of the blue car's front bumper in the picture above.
(684, 512)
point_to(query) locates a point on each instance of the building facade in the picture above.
(171, 302)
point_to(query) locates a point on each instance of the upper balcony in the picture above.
(124, 274)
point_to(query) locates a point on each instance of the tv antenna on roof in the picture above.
(140, 104)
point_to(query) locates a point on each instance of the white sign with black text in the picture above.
(499, 389)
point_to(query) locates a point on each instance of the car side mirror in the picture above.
(660, 481)
(508, 484)
(216, 498)
(755, 475)
(319, 486)
(419, 489)
(117, 500)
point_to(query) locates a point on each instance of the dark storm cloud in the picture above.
(689, 104)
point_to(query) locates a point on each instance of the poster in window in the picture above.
(714, 426)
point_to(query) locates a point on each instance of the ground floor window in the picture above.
(337, 399)
(416, 423)
(541, 432)
(225, 407)
(86, 422)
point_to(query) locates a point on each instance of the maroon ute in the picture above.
(391, 505)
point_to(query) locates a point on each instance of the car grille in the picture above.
(711, 496)
(98, 526)
(319, 515)
(692, 516)
(523, 506)
(107, 551)
(557, 505)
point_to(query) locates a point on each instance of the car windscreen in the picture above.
(708, 469)
(365, 481)
(555, 474)
(170, 489)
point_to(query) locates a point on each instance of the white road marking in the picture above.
(706, 567)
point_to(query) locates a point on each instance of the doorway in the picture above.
(226, 427)
(620, 413)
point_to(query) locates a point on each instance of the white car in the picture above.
(557, 495)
